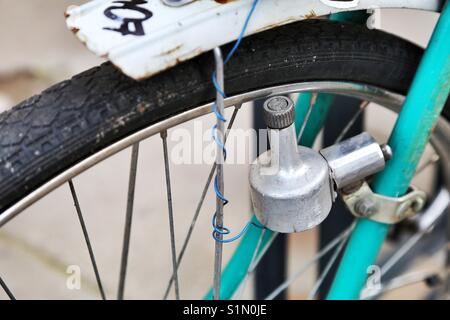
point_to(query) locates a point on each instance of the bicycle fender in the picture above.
(145, 37)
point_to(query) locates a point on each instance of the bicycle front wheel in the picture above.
(53, 137)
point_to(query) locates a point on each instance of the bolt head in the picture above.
(366, 207)
(387, 151)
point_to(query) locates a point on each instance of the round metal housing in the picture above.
(290, 185)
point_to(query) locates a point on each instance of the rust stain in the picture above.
(170, 51)
(223, 1)
(141, 107)
(311, 15)
(274, 25)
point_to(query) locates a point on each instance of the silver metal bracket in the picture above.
(365, 203)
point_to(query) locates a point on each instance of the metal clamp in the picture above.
(365, 203)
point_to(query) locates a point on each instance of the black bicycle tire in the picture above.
(48, 133)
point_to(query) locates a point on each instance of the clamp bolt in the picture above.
(366, 207)
(387, 151)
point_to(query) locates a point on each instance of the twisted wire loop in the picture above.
(220, 231)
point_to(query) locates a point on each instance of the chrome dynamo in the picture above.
(293, 187)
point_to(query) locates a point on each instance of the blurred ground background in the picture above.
(36, 248)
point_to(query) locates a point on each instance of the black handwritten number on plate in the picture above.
(124, 28)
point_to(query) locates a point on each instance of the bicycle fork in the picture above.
(419, 115)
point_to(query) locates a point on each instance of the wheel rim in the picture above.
(387, 99)
(374, 94)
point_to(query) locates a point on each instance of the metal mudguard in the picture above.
(144, 37)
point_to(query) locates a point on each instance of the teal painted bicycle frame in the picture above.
(419, 114)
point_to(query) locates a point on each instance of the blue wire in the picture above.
(219, 142)
(218, 193)
(222, 230)
(225, 231)
(241, 36)
(235, 47)
(217, 113)
(217, 86)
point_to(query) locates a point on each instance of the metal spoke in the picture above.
(128, 220)
(401, 252)
(340, 238)
(312, 102)
(330, 263)
(219, 174)
(86, 238)
(352, 121)
(433, 159)
(256, 259)
(200, 205)
(255, 253)
(171, 222)
(427, 221)
(263, 252)
(6, 289)
(401, 281)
